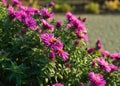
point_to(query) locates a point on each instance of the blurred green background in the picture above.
(103, 18)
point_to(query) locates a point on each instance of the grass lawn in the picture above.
(106, 27)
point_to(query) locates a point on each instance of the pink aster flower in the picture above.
(93, 63)
(52, 55)
(96, 79)
(84, 19)
(46, 14)
(81, 26)
(115, 55)
(69, 15)
(91, 50)
(113, 67)
(104, 52)
(99, 45)
(58, 23)
(11, 12)
(62, 54)
(77, 25)
(58, 84)
(29, 10)
(46, 25)
(21, 15)
(104, 64)
(51, 4)
(70, 25)
(55, 44)
(47, 38)
(4, 2)
(30, 23)
(16, 3)
(75, 22)
(82, 34)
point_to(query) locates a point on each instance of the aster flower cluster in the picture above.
(96, 79)
(55, 44)
(115, 55)
(46, 25)
(4, 2)
(103, 52)
(106, 53)
(104, 65)
(16, 3)
(98, 46)
(46, 14)
(58, 24)
(77, 25)
(24, 15)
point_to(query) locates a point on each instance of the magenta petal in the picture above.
(96, 79)
(58, 84)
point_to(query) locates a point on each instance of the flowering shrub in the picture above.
(92, 7)
(112, 5)
(37, 50)
(63, 7)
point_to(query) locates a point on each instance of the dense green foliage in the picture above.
(63, 8)
(92, 8)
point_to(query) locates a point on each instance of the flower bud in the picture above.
(68, 64)
(91, 50)
(23, 31)
(51, 4)
(52, 55)
(58, 24)
(84, 19)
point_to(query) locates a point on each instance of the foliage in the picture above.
(63, 8)
(112, 5)
(92, 8)
(25, 58)
(101, 2)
